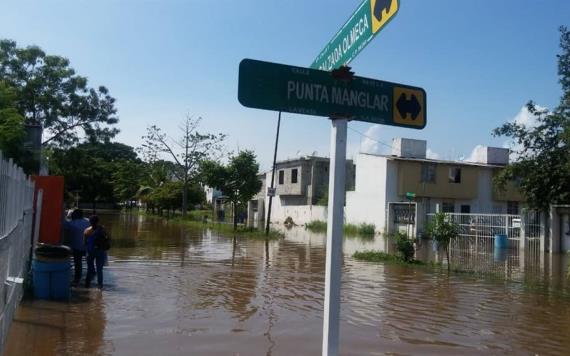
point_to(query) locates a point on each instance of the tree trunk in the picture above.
(184, 199)
(448, 263)
(235, 216)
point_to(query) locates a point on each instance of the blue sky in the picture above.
(479, 61)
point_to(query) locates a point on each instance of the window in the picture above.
(465, 209)
(428, 173)
(281, 177)
(513, 207)
(294, 175)
(448, 207)
(454, 175)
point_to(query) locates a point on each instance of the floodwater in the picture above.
(172, 290)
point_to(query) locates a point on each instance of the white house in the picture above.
(383, 182)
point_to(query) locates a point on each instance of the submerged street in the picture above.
(176, 290)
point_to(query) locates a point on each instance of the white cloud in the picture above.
(474, 156)
(371, 141)
(432, 154)
(526, 118)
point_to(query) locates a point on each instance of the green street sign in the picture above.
(365, 23)
(279, 87)
(410, 195)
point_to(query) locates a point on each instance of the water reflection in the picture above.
(50, 328)
(180, 291)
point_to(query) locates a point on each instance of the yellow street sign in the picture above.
(409, 106)
(382, 11)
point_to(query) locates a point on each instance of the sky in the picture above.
(480, 62)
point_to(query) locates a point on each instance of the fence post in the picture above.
(522, 237)
(542, 232)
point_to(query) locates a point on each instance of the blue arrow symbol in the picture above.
(406, 106)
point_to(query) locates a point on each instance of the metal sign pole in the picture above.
(335, 224)
(268, 222)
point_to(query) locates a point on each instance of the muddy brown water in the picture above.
(173, 290)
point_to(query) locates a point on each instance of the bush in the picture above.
(360, 230)
(316, 226)
(404, 246)
(366, 229)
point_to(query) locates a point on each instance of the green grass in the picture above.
(379, 256)
(228, 229)
(195, 218)
(316, 226)
(365, 230)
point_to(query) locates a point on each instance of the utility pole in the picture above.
(272, 188)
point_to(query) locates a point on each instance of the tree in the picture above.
(127, 179)
(238, 180)
(51, 94)
(542, 170)
(442, 229)
(88, 168)
(186, 152)
(11, 124)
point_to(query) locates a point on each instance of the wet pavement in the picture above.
(173, 290)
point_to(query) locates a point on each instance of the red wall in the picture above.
(52, 208)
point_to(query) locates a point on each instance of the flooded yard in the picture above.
(174, 290)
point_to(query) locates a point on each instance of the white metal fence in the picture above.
(474, 249)
(16, 203)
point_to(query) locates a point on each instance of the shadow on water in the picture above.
(181, 290)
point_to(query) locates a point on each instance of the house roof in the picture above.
(436, 161)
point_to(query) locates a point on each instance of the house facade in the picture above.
(384, 182)
(301, 190)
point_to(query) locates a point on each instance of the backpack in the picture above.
(101, 241)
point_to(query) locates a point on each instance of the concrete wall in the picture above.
(407, 147)
(381, 180)
(367, 203)
(410, 180)
(301, 214)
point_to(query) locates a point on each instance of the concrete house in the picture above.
(300, 185)
(383, 181)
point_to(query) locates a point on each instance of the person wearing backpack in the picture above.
(97, 243)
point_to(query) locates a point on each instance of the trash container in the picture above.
(51, 272)
(501, 241)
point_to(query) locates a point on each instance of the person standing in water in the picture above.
(75, 229)
(97, 243)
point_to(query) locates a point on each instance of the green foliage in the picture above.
(442, 229)
(542, 170)
(222, 228)
(11, 125)
(237, 180)
(367, 229)
(187, 152)
(349, 229)
(404, 245)
(360, 229)
(50, 93)
(375, 256)
(323, 197)
(316, 226)
(88, 168)
(127, 179)
(379, 256)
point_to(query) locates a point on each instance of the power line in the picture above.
(370, 138)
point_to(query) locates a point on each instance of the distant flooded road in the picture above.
(175, 290)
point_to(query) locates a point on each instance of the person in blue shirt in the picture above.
(75, 229)
(96, 243)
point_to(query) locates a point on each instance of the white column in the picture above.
(335, 224)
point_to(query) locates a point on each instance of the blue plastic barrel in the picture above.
(501, 241)
(51, 278)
